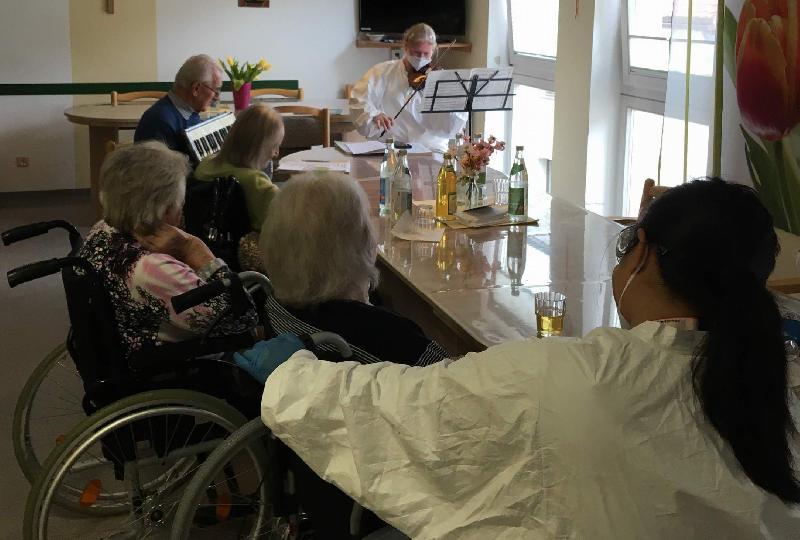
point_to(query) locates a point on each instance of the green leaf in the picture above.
(790, 185)
(729, 44)
(765, 179)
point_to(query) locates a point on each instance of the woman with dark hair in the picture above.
(676, 428)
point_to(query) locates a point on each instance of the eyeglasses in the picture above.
(628, 239)
(216, 91)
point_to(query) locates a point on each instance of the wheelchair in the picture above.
(130, 433)
(251, 485)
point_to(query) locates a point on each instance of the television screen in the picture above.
(447, 17)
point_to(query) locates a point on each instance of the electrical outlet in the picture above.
(397, 54)
(23, 161)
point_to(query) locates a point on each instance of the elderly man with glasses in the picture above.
(197, 85)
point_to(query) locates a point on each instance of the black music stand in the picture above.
(467, 91)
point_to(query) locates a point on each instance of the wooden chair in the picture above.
(117, 98)
(348, 91)
(297, 94)
(299, 132)
(650, 192)
(789, 285)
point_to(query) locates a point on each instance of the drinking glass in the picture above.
(424, 217)
(550, 310)
(500, 191)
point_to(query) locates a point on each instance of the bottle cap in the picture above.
(448, 155)
(403, 152)
(390, 140)
(520, 148)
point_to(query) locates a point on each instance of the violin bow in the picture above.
(420, 88)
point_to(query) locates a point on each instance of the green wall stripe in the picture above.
(74, 89)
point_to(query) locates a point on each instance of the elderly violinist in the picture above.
(385, 88)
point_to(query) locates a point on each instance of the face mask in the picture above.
(623, 322)
(418, 62)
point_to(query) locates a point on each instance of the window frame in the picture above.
(532, 67)
(650, 84)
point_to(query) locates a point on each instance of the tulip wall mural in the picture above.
(762, 58)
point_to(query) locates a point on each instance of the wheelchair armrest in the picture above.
(172, 354)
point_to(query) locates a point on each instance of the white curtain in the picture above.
(687, 135)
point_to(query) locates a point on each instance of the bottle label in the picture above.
(516, 168)
(482, 177)
(382, 197)
(452, 202)
(516, 201)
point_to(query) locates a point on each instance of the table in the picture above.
(475, 288)
(105, 121)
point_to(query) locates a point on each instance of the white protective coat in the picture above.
(600, 437)
(384, 89)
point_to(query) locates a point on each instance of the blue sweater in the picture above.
(164, 122)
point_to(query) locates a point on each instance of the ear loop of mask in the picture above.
(630, 279)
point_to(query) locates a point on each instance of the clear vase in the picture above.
(472, 193)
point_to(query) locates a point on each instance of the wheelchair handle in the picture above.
(329, 338)
(23, 232)
(197, 296)
(29, 272)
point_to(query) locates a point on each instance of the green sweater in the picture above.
(258, 188)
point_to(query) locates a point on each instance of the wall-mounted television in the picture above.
(447, 17)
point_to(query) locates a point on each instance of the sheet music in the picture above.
(359, 148)
(448, 90)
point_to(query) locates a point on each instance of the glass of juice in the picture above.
(550, 309)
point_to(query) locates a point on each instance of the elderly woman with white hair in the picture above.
(197, 84)
(319, 248)
(384, 89)
(142, 256)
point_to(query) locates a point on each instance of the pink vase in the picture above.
(241, 97)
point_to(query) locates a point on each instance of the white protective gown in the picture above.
(384, 88)
(600, 437)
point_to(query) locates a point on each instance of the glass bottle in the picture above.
(515, 256)
(400, 188)
(387, 171)
(518, 188)
(446, 190)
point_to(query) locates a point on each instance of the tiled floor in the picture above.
(33, 320)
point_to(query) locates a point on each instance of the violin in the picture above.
(416, 79)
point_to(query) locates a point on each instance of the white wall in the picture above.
(312, 41)
(34, 38)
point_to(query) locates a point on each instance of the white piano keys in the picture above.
(206, 138)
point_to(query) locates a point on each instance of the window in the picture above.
(649, 23)
(642, 150)
(534, 27)
(534, 35)
(532, 127)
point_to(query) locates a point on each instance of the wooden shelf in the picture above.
(367, 44)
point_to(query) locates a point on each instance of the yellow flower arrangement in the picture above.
(240, 74)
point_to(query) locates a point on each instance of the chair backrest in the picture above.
(94, 342)
(117, 97)
(305, 127)
(216, 212)
(348, 91)
(297, 94)
(650, 192)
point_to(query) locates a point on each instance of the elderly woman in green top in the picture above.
(251, 143)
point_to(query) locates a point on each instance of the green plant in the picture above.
(239, 74)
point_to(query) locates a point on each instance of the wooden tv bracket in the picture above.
(254, 3)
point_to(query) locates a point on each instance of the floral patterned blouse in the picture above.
(141, 283)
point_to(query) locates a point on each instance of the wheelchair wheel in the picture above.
(124, 466)
(48, 407)
(231, 494)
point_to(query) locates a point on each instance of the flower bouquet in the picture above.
(242, 77)
(473, 158)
